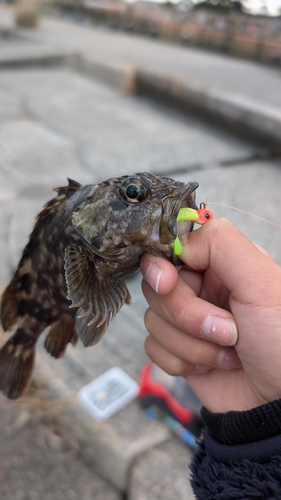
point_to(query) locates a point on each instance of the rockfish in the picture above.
(85, 243)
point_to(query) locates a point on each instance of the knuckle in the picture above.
(177, 368)
(179, 316)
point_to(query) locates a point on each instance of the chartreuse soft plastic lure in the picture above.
(201, 216)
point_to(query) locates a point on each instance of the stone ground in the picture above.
(41, 461)
(242, 95)
(213, 70)
(56, 123)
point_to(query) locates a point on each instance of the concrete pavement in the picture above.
(241, 95)
(55, 123)
(40, 460)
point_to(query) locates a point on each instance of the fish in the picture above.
(71, 277)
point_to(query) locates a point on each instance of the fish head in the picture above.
(134, 213)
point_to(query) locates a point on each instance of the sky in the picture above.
(255, 6)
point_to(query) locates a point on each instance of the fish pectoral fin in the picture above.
(60, 334)
(99, 298)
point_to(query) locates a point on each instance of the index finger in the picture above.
(235, 260)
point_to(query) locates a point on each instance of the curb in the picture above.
(242, 115)
(112, 75)
(101, 443)
(37, 57)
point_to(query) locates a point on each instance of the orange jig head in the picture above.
(204, 214)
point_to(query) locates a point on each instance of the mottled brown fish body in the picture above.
(72, 273)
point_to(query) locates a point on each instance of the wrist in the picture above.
(242, 427)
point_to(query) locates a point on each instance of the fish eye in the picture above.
(133, 190)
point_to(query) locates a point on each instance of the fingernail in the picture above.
(220, 330)
(153, 275)
(228, 359)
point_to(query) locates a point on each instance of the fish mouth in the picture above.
(170, 227)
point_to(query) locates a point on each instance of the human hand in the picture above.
(218, 321)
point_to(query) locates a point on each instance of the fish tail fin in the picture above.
(16, 366)
(61, 333)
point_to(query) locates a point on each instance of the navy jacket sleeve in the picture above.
(239, 456)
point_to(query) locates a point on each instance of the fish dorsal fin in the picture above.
(99, 298)
(72, 186)
(55, 204)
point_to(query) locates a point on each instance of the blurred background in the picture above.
(248, 28)
(91, 89)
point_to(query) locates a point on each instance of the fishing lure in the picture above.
(200, 216)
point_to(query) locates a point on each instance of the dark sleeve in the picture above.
(239, 456)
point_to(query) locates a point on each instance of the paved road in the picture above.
(56, 123)
(237, 76)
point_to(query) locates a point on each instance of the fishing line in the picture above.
(244, 212)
